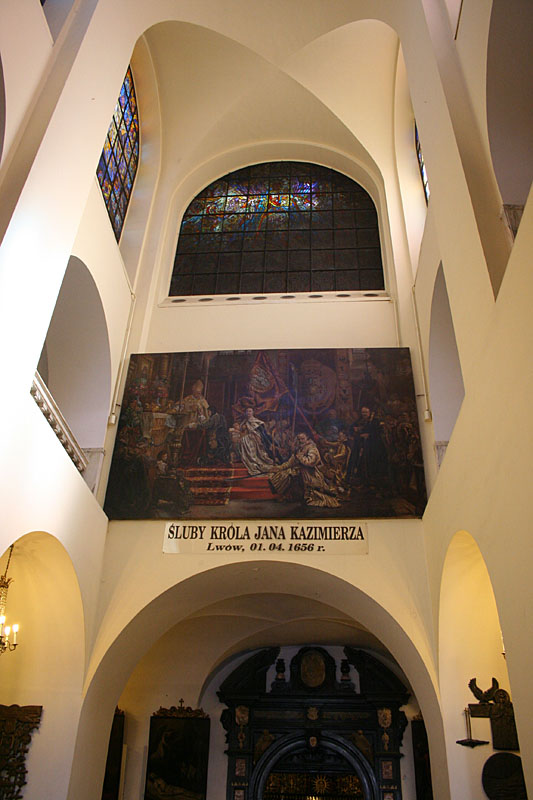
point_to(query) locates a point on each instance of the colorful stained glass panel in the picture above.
(277, 227)
(421, 165)
(215, 205)
(236, 204)
(258, 202)
(121, 147)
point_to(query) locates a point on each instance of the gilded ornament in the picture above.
(242, 715)
(385, 717)
(313, 669)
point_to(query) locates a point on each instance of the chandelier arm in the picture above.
(8, 561)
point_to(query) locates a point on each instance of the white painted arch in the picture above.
(76, 360)
(47, 667)
(470, 646)
(184, 602)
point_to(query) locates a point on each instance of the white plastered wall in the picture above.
(24, 39)
(487, 469)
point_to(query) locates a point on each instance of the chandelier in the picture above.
(8, 634)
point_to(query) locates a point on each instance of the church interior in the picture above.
(184, 181)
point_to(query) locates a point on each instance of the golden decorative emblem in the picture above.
(321, 784)
(242, 715)
(312, 713)
(385, 717)
(313, 669)
(317, 385)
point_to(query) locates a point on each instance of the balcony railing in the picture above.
(42, 396)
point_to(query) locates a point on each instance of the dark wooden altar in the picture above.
(311, 734)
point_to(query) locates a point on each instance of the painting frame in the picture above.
(268, 434)
(178, 754)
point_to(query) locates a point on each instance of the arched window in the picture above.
(421, 165)
(118, 163)
(279, 227)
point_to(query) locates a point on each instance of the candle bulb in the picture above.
(15, 631)
(468, 724)
(7, 632)
(2, 622)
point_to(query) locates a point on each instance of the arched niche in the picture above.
(183, 637)
(75, 363)
(509, 108)
(47, 667)
(445, 376)
(470, 646)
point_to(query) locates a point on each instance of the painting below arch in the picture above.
(271, 434)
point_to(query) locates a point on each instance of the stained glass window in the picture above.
(275, 228)
(421, 165)
(118, 163)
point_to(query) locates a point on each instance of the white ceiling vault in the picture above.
(333, 89)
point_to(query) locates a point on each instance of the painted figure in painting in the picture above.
(253, 445)
(195, 405)
(337, 457)
(368, 461)
(218, 439)
(305, 464)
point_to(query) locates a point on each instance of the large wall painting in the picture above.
(268, 434)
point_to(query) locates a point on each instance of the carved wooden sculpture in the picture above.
(16, 726)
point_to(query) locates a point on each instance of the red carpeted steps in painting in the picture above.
(250, 487)
(215, 486)
(210, 486)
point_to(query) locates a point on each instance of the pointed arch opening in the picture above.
(2, 109)
(445, 376)
(509, 108)
(56, 13)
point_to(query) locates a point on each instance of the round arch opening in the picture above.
(338, 769)
(196, 628)
(75, 362)
(470, 646)
(47, 667)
